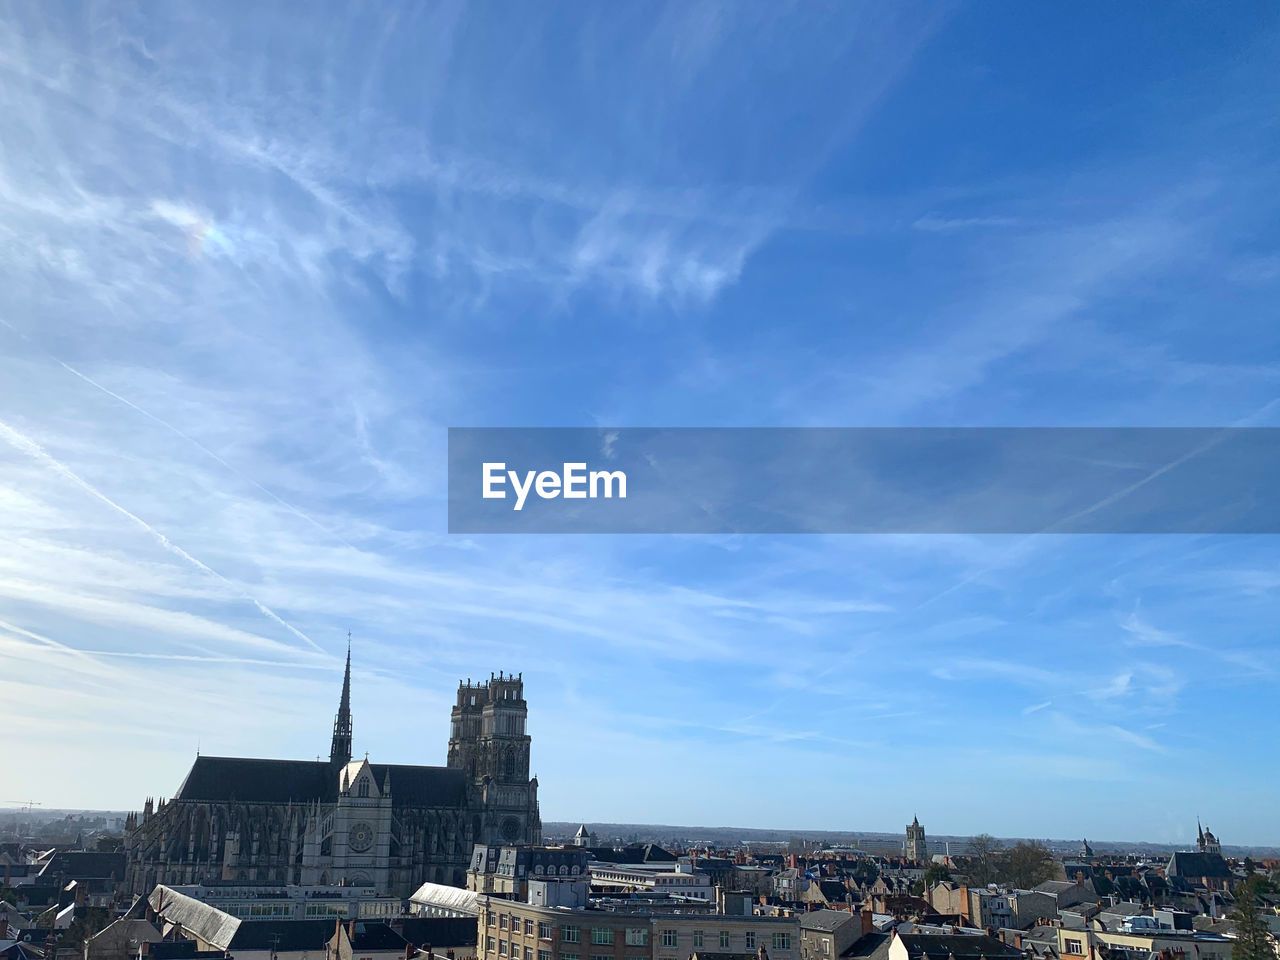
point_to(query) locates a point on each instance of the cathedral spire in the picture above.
(340, 748)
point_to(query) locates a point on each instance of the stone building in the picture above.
(917, 847)
(348, 821)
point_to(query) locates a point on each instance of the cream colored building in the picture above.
(1186, 946)
(563, 927)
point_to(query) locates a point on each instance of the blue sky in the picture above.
(256, 258)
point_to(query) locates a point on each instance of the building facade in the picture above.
(387, 827)
(563, 927)
(507, 870)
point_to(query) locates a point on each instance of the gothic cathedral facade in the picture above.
(390, 827)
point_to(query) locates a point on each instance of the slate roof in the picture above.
(962, 946)
(833, 890)
(826, 920)
(125, 933)
(180, 950)
(1197, 865)
(270, 781)
(293, 935)
(83, 865)
(870, 946)
(377, 936)
(217, 779)
(22, 951)
(439, 931)
(655, 854)
(205, 922)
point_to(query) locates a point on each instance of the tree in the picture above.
(936, 873)
(88, 923)
(1027, 864)
(1252, 937)
(984, 855)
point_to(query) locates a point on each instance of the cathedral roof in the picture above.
(268, 781)
(214, 779)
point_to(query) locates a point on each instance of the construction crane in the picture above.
(24, 804)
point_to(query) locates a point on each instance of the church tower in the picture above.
(1206, 842)
(340, 746)
(917, 846)
(488, 742)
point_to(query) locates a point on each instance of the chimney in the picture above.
(351, 931)
(868, 923)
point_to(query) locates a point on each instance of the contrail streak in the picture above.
(32, 449)
(185, 436)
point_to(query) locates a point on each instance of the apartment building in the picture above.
(1094, 942)
(561, 923)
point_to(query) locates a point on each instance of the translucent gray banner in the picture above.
(864, 480)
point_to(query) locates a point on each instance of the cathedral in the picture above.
(389, 827)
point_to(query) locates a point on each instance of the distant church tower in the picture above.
(1207, 842)
(340, 746)
(917, 846)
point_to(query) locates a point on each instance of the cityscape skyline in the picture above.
(254, 266)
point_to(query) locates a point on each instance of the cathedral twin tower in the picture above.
(386, 826)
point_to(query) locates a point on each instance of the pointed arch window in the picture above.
(362, 787)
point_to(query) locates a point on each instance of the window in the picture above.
(724, 939)
(502, 922)
(544, 955)
(782, 941)
(826, 946)
(602, 936)
(502, 948)
(362, 788)
(489, 919)
(569, 935)
(528, 927)
(488, 944)
(528, 953)
(638, 936)
(751, 940)
(697, 938)
(1074, 946)
(670, 938)
(568, 956)
(544, 932)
